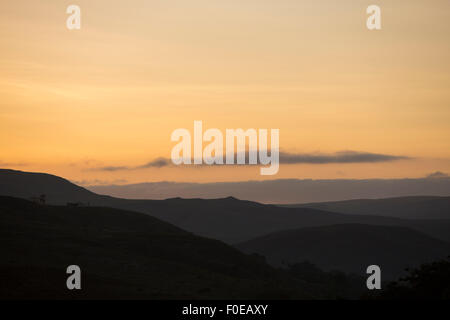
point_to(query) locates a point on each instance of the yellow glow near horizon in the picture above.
(111, 93)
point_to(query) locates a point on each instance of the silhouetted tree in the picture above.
(429, 281)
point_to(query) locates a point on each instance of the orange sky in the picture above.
(111, 93)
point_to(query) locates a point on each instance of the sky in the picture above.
(96, 105)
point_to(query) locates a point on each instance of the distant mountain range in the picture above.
(349, 247)
(228, 219)
(405, 207)
(285, 191)
(248, 223)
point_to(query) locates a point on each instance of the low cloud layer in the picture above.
(437, 175)
(285, 190)
(285, 158)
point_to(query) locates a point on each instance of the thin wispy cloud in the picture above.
(13, 164)
(285, 158)
(99, 182)
(110, 168)
(338, 157)
(157, 163)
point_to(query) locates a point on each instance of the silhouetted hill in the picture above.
(228, 219)
(57, 190)
(404, 207)
(123, 255)
(232, 220)
(349, 248)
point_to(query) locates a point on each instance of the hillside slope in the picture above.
(58, 191)
(349, 247)
(123, 255)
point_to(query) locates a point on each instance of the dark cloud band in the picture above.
(285, 158)
(338, 157)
